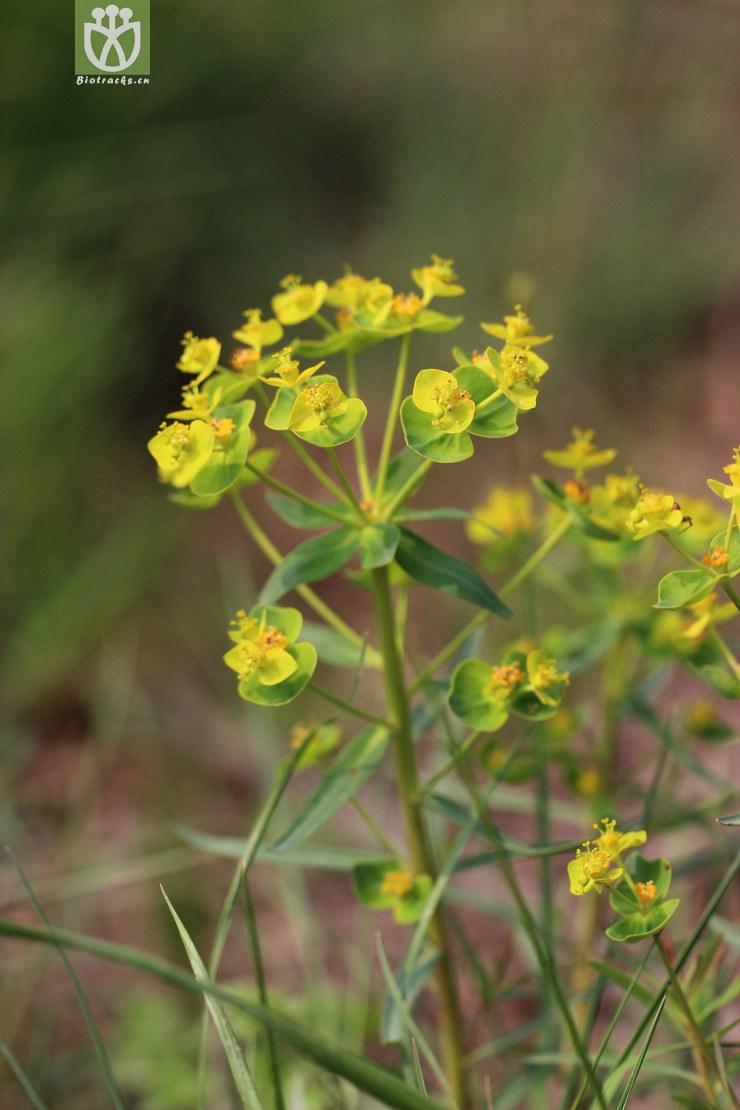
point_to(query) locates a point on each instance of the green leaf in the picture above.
(334, 649)
(497, 418)
(283, 692)
(432, 514)
(237, 1063)
(427, 441)
(683, 587)
(732, 819)
(311, 561)
(362, 1073)
(425, 563)
(638, 926)
(721, 681)
(471, 702)
(299, 515)
(338, 429)
(322, 857)
(641, 870)
(378, 543)
(341, 781)
(400, 469)
(227, 460)
(278, 414)
(351, 339)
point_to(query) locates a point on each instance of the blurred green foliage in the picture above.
(592, 146)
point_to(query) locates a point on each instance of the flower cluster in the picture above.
(527, 683)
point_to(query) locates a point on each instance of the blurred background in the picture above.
(583, 156)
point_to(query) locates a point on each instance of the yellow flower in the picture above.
(438, 393)
(298, 302)
(614, 842)
(259, 652)
(397, 883)
(316, 406)
(288, 370)
(181, 450)
(399, 310)
(437, 280)
(517, 329)
(588, 783)
(581, 454)
(258, 333)
(646, 892)
(543, 675)
(717, 558)
(592, 870)
(517, 372)
(506, 511)
(354, 293)
(732, 492)
(503, 680)
(197, 404)
(199, 356)
(654, 512)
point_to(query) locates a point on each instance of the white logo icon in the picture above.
(106, 37)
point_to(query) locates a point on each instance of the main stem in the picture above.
(408, 785)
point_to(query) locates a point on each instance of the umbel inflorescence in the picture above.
(513, 704)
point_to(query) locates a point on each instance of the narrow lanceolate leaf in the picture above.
(311, 561)
(362, 1073)
(299, 515)
(732, 819)
(335, 650)
(343, 778)
(235, 1056)
(378, 543)
(425, 563)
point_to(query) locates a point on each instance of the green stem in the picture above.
(390, 426)
(339, 471)
(347, 707)
(543, 955)
(294, 495)
(731, 593)
(488, 400)
(605, 1039)
(725, 650)
(450, 765)
(363, 472)
(316, 470)
(477, 622)
(268, 548)
(420, 851)
(704, 1057)
(259, 971)
(408, 488)
(324, 323)
(669, 538)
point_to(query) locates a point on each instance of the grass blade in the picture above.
(235, 1056)
(254, 944)
(362, 1073)
(102, 1055)
(417, 1036)
(641, 1058)
(34, 1098)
